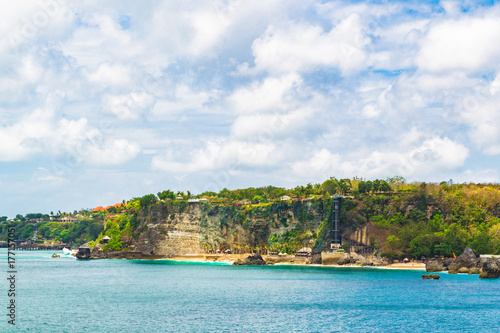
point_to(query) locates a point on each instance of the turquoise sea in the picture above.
(69, 295)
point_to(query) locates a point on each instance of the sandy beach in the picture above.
(289, 260)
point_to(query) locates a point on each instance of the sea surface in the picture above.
(69, 295)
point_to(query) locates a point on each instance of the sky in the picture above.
(104, 101)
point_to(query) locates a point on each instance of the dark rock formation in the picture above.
(447, 262)
(343, 261)
(490, 268)
(82, 255)
(123, 255)
(430, 277)
(316, 258)
(435, 265)
(463, 262)
(474, 270)
(254, 259)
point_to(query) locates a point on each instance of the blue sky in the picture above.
(104, 102)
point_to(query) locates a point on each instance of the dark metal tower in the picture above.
(337, 203)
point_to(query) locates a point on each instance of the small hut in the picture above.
(105, 239)
(304, 252)
(83, 252)
(285, 198)
(179, 197)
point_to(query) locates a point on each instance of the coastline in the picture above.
(287, 261)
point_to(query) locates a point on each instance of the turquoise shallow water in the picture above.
(69, 295)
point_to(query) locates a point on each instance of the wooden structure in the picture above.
(83, 252)
(305, 252)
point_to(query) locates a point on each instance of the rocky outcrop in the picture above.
(446, 263)
(123, 255)
(430, 277)
(474, 270)
(463, 262)
(255, 259)
(82, 255)
(343, 258)
(179, 228)
(333, 258)
(490, 268)
(435, 265)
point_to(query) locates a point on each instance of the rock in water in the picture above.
(430, 277)
(465, 260)
(490, 269)
(434, 265)
(254, 259)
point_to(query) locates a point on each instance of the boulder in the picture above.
(463, 270)
(343, 261)
(490, 269)
(333, 258)
(446, 263)
(474, 270)
(357, 259)
(430, 277)
(466, 259)
(434, 265)
(316, 258)
(254, 259)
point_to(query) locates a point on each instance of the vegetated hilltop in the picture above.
(398, 219)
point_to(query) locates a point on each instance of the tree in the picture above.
(224, 193)
(345, 185)
(392, 242)
(257, 199)
(166, 194)
(331, 186)
(365, 186)
(385, 187)
(147, 200)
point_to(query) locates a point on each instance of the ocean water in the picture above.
(69, 295)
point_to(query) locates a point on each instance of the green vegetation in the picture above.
(414, 220)
(78, 232)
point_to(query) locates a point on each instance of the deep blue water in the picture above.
(69, 295)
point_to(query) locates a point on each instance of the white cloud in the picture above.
(113, 152)
(437, 154)
(184, 100)
(25, 138)
(304, 47)
(281, 90)
(482, 114)
(129, 106)
(270, 127)
(469, 44)
(271, 95)
(432, 158)
(219, 155)
(39, 134)
(110, 75)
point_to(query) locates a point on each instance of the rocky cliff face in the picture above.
(167, 229)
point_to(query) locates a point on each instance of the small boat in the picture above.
(69, 252)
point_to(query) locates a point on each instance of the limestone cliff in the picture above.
(169, 228)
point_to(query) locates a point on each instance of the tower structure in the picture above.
(337, 203)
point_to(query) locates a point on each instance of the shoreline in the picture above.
(229, 259)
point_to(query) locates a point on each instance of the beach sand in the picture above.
(410, 265)
(230, 258)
